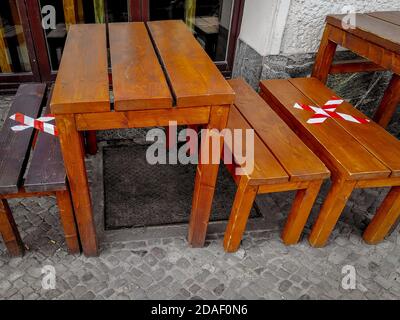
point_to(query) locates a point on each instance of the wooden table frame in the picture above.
(142, 98)
(382, 52)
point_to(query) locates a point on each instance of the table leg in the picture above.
(389, 103)
(324, 57)
(206, 178)
(74, 161)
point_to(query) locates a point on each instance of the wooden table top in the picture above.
(381, 28)
(154, 66)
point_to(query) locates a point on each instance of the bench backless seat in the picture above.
(45, 174)
(358, 152)
(282, 162)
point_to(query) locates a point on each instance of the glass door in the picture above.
(15, 59)
(215, 23)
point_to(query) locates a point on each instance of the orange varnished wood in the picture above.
(331, 210)
(373, 137)
(68, 221)
(353, 66)
(82, 80)
(380, 183)
(294, 156)
(138, 80)
(194, 78)
(372, 29)
(9, 231)
(206, 177)
(385, 218)
(389, 103)
(142, 118)
(241, 208)
(267, 169)
(73, 154)
(299, 213)
(325, 140)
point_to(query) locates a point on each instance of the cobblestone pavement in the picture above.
(158, 264)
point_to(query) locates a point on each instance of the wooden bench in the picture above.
(45, 176)
(358, 155)
(282, 162)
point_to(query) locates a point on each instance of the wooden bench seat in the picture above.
(45, 174)
(282, 162)
(359, 155)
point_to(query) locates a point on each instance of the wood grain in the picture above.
(330, 141)
(46, 171)
(241, 208)
(15, 146)
(380, 143)
(388, 16)
(385, 218)
(82, 81)
(183, 58)
(377, 31)
(267, 169)
(9, 231)
(138, 79)
(294, 156)
(142, 118)
(389, 103)
(73, 154)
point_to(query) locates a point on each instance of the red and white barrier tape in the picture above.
(39, 123)
(329, 111)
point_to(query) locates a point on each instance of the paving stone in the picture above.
(167, 268)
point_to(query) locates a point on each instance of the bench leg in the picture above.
(91, 142)
(389, 103)
(68, 221)
(244, 199)
(9, 230)
(300, 212)
(324, 58)
(330, 212)
(385, 218)
(206, 178)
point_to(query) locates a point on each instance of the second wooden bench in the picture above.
(282, 162)
(360, 154)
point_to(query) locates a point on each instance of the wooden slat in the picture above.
(82, 81)
(267, 169)
(138, 79)
(46, 171)
(388, 16)
(380, 32)
(294, 156)
(373, 137)
(387, 59)
(341, 152)
(14, 146)
(194, 78)
(352, 66)
(142, 118)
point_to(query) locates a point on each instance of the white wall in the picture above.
(306, 20)
(273, 27)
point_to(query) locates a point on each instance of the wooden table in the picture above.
(160, 73)
(375, 37)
